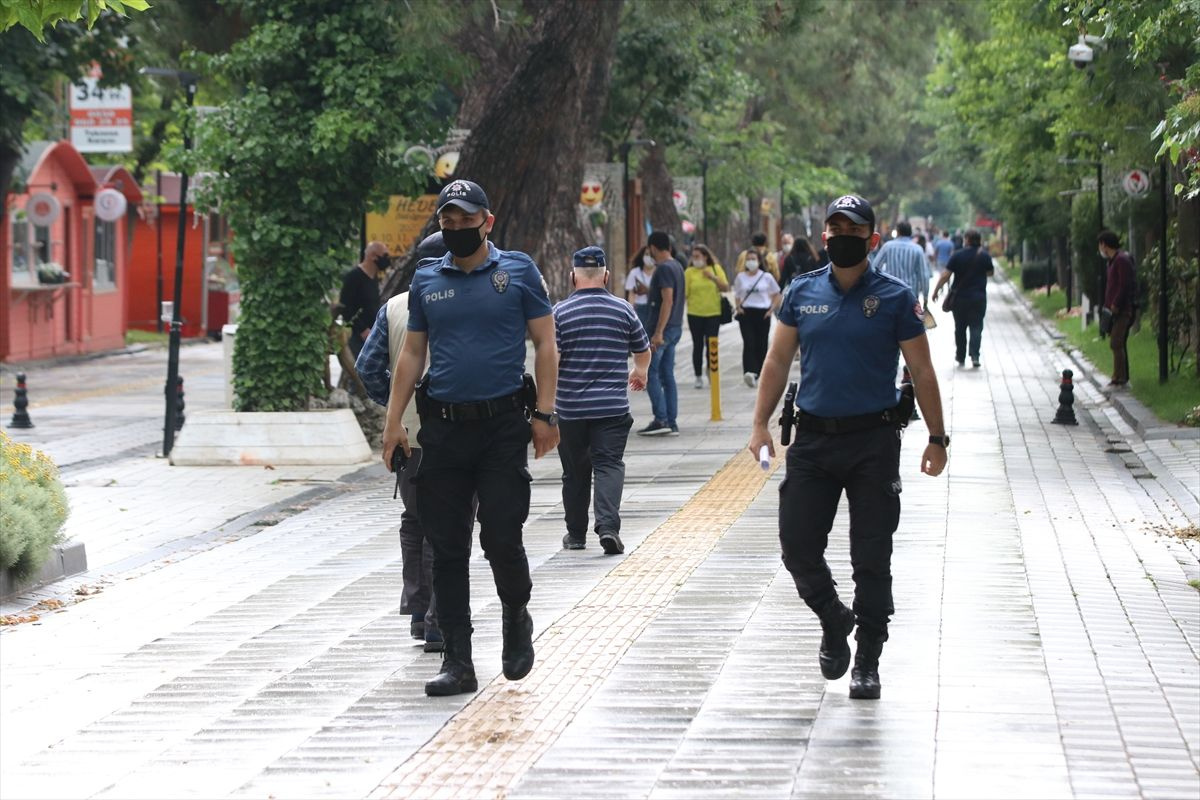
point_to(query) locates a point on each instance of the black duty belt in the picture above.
(861, 422)
(483, 409)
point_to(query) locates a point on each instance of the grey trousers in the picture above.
(590, 447)
(415, 551)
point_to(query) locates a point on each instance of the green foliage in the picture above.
(33, 507)
(1182, 275)
(332, 93)
(1034, 274)
(36, 15)
(1173, 401)
(1162, 37)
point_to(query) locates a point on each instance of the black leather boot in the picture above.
(837, 623)
(458, 673)
(864, 678)
(517, 656)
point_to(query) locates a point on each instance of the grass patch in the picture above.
(1170, 401)
(145, 337)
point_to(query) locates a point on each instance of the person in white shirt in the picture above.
(757, 294)
(637, 285)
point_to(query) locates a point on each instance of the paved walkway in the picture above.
(1045, 641)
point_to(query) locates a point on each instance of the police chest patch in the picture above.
(870, 306)
(500, 281)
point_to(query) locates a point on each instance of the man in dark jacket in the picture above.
(1119, 298)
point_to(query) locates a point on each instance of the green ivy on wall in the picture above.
(331, 94)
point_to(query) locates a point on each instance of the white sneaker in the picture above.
(751, 379)
(698, 383)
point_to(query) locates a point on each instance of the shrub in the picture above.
(33, 507)
(1033, 273)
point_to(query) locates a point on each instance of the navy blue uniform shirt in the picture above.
(476, 323)
(849, 343)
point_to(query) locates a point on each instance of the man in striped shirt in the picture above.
(596, 332)
(905, 259)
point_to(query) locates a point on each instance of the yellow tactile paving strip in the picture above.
(486, 748)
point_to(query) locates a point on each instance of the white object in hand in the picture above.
(764, 457)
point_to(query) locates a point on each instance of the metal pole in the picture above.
(1100, 223)
(176, 320)
(1070, 247)
(1163, 305)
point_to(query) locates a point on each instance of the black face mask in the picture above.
(383, 261)
(464, 241)
(846, 251)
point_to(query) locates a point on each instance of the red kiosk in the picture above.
(64, 240)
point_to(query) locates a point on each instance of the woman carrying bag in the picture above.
(757, 294)
(703, 281)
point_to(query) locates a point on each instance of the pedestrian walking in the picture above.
(905, 259)
(971, 267)
(850, 323)
(801, 259)
(757, 295)
(596, 333)
(358, 300)
(375, 366)
(637, 285)
(666, 329)
(472, 310)
(704, 280)
(943, 248)
(766, 258)
(1120, 300)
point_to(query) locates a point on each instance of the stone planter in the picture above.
(305, 438)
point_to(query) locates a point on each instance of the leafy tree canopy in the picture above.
(36, 15)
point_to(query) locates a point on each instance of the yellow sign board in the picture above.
(401, 224)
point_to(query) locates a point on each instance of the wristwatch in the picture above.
(943, 441)
(549, 419)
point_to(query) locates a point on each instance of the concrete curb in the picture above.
(1132, 410)
(67, 559)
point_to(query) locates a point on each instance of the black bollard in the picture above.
(20, 417)
(1066, 401)
(178, 403)
(906, 377)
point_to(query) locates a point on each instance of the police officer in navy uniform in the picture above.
(472, 309)
(850, 323)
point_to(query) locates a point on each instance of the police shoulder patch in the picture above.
(918, 312)
(500, 281)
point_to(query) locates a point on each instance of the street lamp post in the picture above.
(626, 146)
(188, 80)
(1163, 304)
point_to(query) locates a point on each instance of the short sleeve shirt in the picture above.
(667, 275)
(849, 342)
(595, 332)
(476, 323)
(970, 266)
(359, 300)
(636, 278)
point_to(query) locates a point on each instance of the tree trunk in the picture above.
(658, 191)
(529, 146)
